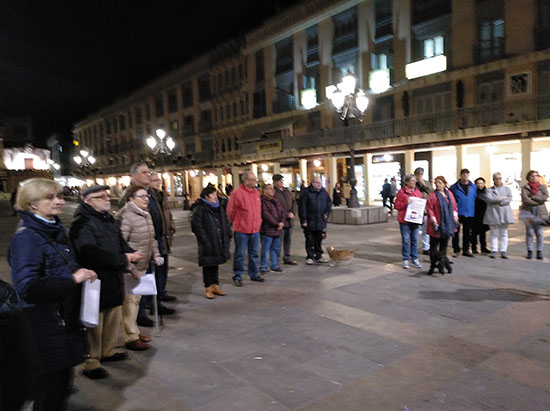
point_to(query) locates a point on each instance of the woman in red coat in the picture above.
(409, 231)
(442, 222)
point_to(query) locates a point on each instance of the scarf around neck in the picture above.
(534, 188)
(447, 222)
(213, 205)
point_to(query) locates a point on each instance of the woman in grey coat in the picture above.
(533, 198)
(498, 215)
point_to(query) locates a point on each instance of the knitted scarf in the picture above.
(534, 188)
(447, 223)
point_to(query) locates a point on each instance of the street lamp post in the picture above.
(161, 145)
(85, 162)
(350, 102)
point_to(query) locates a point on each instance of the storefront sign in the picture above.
(383, 158)
(271, 147)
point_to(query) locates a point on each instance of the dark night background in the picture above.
(61, 60)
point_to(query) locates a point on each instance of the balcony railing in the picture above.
(506, 112)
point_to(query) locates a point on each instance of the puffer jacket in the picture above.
(402, 202)
(213, 231)
(137, 229)
(99, 246)
(272, 215)
(530, 200)
(42, 265)
(466, 202)
(315, 208)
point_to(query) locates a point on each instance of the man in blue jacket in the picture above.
(465, 193)
(315, 208)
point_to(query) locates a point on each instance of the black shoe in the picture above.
(258, 279)
(529, 254)
(431, 270)
(165, 310)
(263, 272)
(145, 321)
(539, 255)
(467, 254)
(493, 255)
(503, 255)
(474, 251)
(119, 356)
(238, 283)
(290, 262)
(278, 270)
(96, 373)
(485, 251)
(426, 252)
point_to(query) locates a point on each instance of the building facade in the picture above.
(452, 84)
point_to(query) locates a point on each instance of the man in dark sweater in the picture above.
(290, 206)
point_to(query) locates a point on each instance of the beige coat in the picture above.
(529, 200)
(137, 229)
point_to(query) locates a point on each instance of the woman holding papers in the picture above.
(45, 275)
(442, 213)
(137, 229)
(409, 230)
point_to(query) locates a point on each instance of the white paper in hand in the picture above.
(415, 210)
(146, 285)
(89, 307)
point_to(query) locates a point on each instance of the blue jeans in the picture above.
(242, 243)
(409, 240)
(271, 246)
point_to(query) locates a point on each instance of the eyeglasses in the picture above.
(156, 181)
(142, 196)
(101, 197)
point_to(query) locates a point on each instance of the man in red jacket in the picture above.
(244, 210)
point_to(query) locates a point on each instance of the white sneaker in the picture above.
(416, 264)
(406, 264)
(322, 260)
(309, 261)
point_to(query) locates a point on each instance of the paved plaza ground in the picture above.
(366, 336)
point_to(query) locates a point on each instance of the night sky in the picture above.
(61, 60)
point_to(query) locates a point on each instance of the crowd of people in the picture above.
(48, 266)
(474, 209)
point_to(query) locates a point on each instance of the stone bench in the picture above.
(358, 216)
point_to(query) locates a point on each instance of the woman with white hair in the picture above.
(498, 215)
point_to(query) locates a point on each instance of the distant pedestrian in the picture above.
(315, 209)
(290, 206)
(442, 222)
(46, 277)
(386, 193)
(465, 193)
(346, 191)
(393, 193)
(273, 222)
(213, 231)
(498, 215)
(244, 210)
(409, 231)
(479, 228)
(533, 198)
(425, 188)
(337, 195)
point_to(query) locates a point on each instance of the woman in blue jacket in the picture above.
(46, 278)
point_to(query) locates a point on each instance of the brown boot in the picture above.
(217, 290)
(208, 293)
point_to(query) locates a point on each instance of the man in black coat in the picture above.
(315, 208)
(291, 208)
(99, 246)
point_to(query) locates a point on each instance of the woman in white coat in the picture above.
(498, 215)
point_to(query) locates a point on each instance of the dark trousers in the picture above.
(287, 242)
(479, 231)
(313, 243)
(384, 199)
(53, 391)
(467, 234)
(438, 250)
(210, 275)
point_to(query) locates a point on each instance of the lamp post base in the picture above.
(353, 200)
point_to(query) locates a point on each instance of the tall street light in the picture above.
(85, 162)
(350, 102)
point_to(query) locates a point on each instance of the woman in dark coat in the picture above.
(213, 231)
(45, 276)
(479, 229)
(337, 195)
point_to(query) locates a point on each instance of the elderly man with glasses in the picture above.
(99, 246)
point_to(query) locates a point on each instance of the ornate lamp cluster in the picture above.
(160, 144)
(349, 100)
